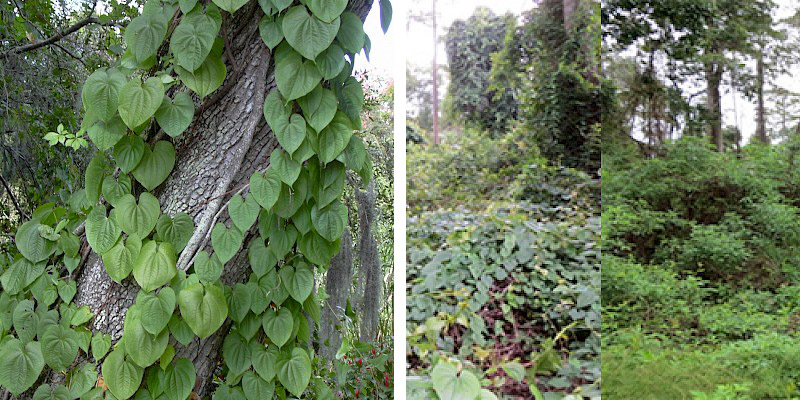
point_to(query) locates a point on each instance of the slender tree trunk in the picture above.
(435, 81)
(227, 141)
(761, 123)
(713, 80)
(570, 8)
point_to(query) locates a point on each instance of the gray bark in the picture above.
(225, 144)
(370, 264)
(713, 104)
(338, 281)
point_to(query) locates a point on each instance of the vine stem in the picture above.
(214, 221)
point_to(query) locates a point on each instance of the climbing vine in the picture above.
(295, 206)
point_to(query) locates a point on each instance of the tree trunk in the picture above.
(435, 81)
(570, 8)
(370, 264)
(227, 141)
(338, 280)
(713, 79)
(761, 123)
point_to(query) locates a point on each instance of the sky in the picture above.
(383, 56)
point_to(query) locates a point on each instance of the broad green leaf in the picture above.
(236, 352)
(299, 281)
(177, 230)
(20, 365)
(265, 361)
(386, 14)
(31, 243)
(319, 107)
(331, 186)
(137, 218)
(335, 138)
(230, 5)
(271, 31)
(46, 392)
(295, 77)
(205, 79)
(281, 5)
(105, 135)
(180, 330)
(187, 5)
(156, 165)
(317, 249)
(239, 302)
(278, 325)
(192, 40)
(331, 62)
(294, 370)
(139, 101)
(102, 233)
(25, 320)
(59, 347)
(166, 358)
(141, 346)
(179, 379)
(293, 135)
(256, 388)
(450, 384)
(175, 116)
(115, 189)
(101, 343)
(277, 112)
(243, 212)
(327, 10)
(100, 94)
(308, 34)
(351, 100)
(128, 152)
(20, 274)
(67, 291)
(156, 310)
(155, 265)
(207, 268)
(330, 221)
(292, 197)
(225, 392)
(282, 164)
(226, 241)
(302, 219)
(282, 240)
(355, 154)
(266, 188)
(515, 370)
(81, 381)
(95, 172)
(260, 257)
(311, 306)
(120, 259)
(203, 307)
(121, 375)
(144, 35)
(351, 33)
(251, 323)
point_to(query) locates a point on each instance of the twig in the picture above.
(58, 36)
(213, 222)
(13, 199)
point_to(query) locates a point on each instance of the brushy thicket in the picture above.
(503, 270)
(700, 256)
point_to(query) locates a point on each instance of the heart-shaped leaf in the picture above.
(226, 241)
(260, 257)
(230, 5)
(100, 94)
(351, 33)
(101, 343)
(265, 188)
(20, 365)
(156, 165)
(282, 240)
(31, 243)
(156, 310)
(120, 259)
(115, 189)
(294, 370)
(128, 152)
(121, 374)
(101, 232)
(192, 41)
(205, 79)
(143, 347)
(327, 10)
(137, 219)
(239, 302)
(207, 268)
(351, 99)
(144, 35)
(155, 265)
(295, 77)
(335, 137)
(330, 221)
(105, 135)
(278, 325)
(293, 135)
(95, 173)
(243, 212)
(317, 249)
(59, 347)
(287, 169)
(175, 116)
(271, 31)
(265, 361)
(138, 102)
(177, 230)
(449, 384)
(203, 308)
(299, 281)
(331, 62)
(319, 107)
(308, 34)
(179, 379)
(236, 352)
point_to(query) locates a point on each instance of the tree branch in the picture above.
(22, 214)
(58, 36)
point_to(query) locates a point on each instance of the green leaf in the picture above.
(95, 172)
(225, 392)
(175, 117)
(128, 152)
(156, 165)
(330, 221)
(143, 347)
(386, 14)
(260, 257)
(230, 5)
(294, 370)
(155, 265)
(166, 358)
(278, 325)
(327, 10)
(256, 388)
(156, 310)
(81, 316)
(295, 77)
(137, 219)
(308, 34)
(515, 370)
(265, 361)
(31, 243)
(355, 154)
(192, 40)
(144, 35)
(236, 352)
(243, 212)
(299, 281)
(311, 306)
(335, 138)
(271, 31)
(251, 323)
(177, 230)
(292, 197)
(59, 347)
(331, 62)
(282, 240)
(207, 268)
(226, 241)
(20, 274)
(25, 320)
(277, 112)
(67, 291)
(351, 99)
(81, 381)
(239, 303)
(100, 94)
(187, 5)
(449, 384)
(287, 169)
(101, 343)
(281, 5)
(203, 308)
(351, 33)
(205, 79)
(106, 134)
(20, 365)
(319, 107)
(180, 329)
(265, 188)
(179, 379)
(45, 392)
(317, 249)
(102, 233)
(120, 259)
(138, 102)
(114, 189)
(121, 375)
(293, 135)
